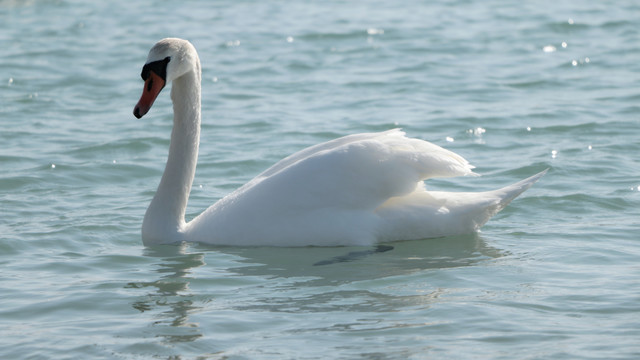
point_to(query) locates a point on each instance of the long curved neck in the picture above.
(164, 219)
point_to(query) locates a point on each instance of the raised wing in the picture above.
(358, 171)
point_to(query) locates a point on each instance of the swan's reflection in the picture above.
(296, 285)
(172, 294)
(332, 266)
(246, 281)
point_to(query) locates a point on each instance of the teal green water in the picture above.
(513, 86)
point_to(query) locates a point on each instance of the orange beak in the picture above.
(152, 87)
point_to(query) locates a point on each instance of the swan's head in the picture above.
(168, 60)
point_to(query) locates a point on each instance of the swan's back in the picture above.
(330, 194)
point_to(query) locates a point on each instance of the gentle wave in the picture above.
(515, 88)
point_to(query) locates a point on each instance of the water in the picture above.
(515, 87)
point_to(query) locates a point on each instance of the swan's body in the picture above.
(355, 190)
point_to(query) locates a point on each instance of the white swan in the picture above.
(355, 190)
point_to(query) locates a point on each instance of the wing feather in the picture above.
(358, 171)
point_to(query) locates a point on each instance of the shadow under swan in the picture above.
(335, 265)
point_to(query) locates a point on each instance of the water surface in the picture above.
(515, 87)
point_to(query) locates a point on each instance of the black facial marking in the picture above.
(159, 67)
(150, 85)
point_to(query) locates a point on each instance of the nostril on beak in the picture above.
(136, 112)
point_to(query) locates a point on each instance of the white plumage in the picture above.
(355, 190)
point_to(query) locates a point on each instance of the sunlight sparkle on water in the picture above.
(374, 31)
(477, 133)
(575, 62)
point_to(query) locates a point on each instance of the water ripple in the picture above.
(554, 275)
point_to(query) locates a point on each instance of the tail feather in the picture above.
(508, 193)
(427, 214)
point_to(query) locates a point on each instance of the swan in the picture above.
(352, 191)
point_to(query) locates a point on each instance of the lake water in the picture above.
(513, 86)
